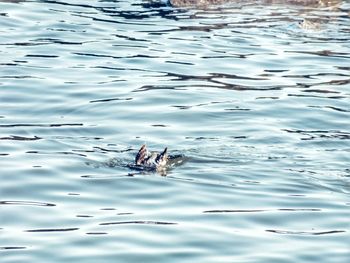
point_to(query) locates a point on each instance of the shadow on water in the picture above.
(179, 10)
(205, 3)
(151, 8)
(298, 16)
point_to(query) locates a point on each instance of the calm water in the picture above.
(255, 96)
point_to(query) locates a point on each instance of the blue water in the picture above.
(255, 96)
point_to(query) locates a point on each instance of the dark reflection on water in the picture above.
(39, 125)
(11, 248)
(254, 211)
(25, 203)
(52, 230)
(138, 222)
(285, 232)
(20, 138)
(96, 233)
(322, 134)
(251, 96)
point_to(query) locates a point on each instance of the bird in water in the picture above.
(160, 162)
(151, 160)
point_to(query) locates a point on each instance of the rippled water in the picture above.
(255, 95)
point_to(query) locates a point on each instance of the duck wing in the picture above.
(162, 157)
(141, 156)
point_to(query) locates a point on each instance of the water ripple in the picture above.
(138, 222)
(252, 96)
(39, 125)
(25, 203)
(20, 138)
(328, 134)
(12, 248)
(262, 210)
(53, 230)
(305, 233)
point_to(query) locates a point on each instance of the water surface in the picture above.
(256, 96)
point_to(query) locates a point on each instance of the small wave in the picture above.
(12, 248)
(29, 203)
(39, 125)
(96, 233)
(287, 232)
(138, 222)
(263, 210)
(20, 138)
(53, 230)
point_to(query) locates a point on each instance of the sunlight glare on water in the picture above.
(253, 97)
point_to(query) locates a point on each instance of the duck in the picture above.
(151, 160)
